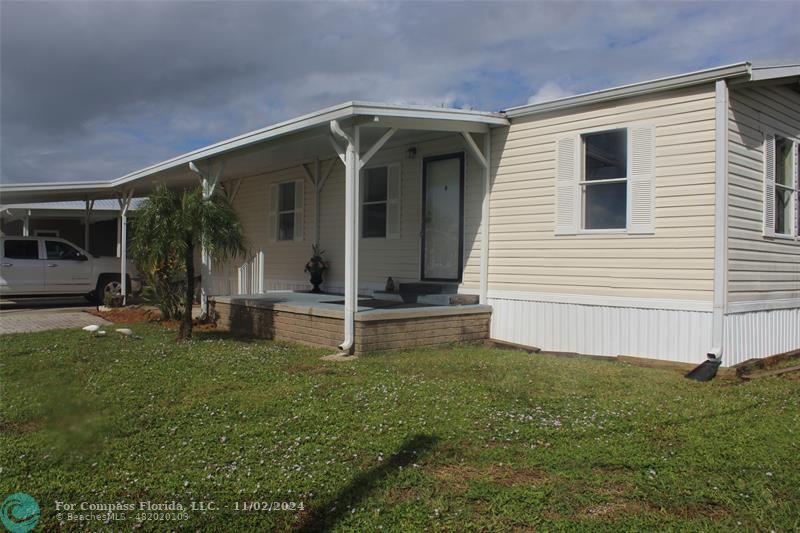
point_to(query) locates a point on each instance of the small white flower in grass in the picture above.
(186, 483)
(769, 474)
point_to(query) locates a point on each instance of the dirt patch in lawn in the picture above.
(135, 314)
(132, 314)
(505, 475)
(21, 427)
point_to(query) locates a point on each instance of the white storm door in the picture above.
(442, 224)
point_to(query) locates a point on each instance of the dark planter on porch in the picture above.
(315, 267)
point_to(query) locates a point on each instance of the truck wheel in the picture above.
(107, 284)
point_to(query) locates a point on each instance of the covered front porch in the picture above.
(392, 199)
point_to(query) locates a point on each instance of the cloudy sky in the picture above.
(94, 90)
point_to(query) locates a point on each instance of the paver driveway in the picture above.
(26, 319)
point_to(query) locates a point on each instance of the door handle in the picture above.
(51, 265)
(7, 264)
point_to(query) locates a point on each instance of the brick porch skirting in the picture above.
(375, 330)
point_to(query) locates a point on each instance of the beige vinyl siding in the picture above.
(283, 260)
(676, 262)
(759, 268)
(400, 258)
(378, 257)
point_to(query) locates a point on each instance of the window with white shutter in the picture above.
(605, 181)
(769, 185)
(567, 179)
(641, 180)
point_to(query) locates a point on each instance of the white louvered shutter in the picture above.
(393, 193)
(642, 179)
(567, 205)
(797, 190)
(769, 185)
(299, 204)
(273, 212)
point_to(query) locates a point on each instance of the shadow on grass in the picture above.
(325, 515)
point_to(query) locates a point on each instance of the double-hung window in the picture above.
(374, 206)
(604, 187)
(286, 211)
(781, 182)
(380, 202)
(605, 181)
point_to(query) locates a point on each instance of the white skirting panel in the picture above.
(760, 334)
(669, 334)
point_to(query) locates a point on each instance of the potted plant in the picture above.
(315, 267)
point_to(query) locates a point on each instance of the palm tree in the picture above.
(173, 224)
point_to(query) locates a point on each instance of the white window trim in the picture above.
(385, 202)
(278, 213)
(794, 224)
(582, 182)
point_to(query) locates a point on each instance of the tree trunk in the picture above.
(186, 326)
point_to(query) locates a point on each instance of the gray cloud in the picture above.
(93, 90)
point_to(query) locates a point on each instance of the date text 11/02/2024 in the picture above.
(202, 506)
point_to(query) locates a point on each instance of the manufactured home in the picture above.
(658, 219)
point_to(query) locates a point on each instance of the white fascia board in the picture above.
(775, 72)
(430, 113)
(634, 89)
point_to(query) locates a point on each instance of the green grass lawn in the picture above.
(458, 438)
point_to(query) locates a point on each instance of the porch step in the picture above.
(428, 288)
(430, 299)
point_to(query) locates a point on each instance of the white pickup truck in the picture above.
(45, 266)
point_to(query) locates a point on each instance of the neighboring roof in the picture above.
(99, 205)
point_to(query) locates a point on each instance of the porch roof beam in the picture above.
(474, 150)
(326, 174)
(375, 147)
(311, 179)
(208, 179)
(231, 188)
(338, 149)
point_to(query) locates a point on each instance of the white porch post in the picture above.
(124, 204)
(26, 224)
(487, 176)
(352, 163)
(119, 235)
(208, 183)
(485, 161)
(86, 222)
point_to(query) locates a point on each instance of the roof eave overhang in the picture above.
(737, 70)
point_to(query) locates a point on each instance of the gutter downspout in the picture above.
(720, 220)
(350, 236)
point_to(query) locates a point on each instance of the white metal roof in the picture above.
(177, 168)
(633, 89)
(737, 72)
